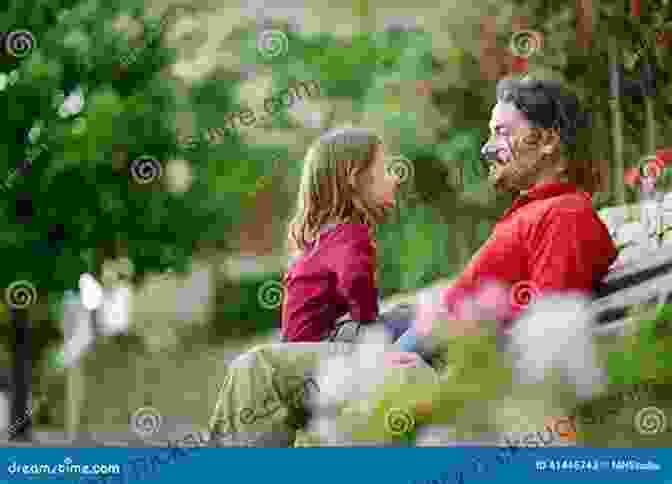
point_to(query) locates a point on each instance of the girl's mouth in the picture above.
(390, 201)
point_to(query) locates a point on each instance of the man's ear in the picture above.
(356, 179)
(551, 140)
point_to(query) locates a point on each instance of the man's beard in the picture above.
(511, 172)
(503, 176)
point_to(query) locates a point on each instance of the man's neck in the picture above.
(543, 181)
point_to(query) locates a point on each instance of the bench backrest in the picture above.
(648, 280)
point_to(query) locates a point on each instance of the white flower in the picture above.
(34, 133)
(178, 176)
(632, 233)
(76, 324)
(115, 311)
(73, 104)
(308, 115)
(556, 333)
(91, 292)
(13, 77)
(348, 378)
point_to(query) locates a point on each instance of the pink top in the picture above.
(334, 276)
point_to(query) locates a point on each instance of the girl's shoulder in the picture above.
(356, 231)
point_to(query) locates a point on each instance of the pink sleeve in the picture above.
(355, 269)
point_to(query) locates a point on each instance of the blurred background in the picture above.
(121, 159)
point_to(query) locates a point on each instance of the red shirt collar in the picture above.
(540, 192)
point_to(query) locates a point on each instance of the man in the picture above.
(551, 239)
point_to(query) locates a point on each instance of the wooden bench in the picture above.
(646, 281)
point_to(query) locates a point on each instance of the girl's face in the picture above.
(381, 185)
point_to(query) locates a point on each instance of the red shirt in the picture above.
(550, 240)
(332, 278)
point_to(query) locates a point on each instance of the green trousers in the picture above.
(263, 401)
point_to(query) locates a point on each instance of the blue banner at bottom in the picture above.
(451, 465)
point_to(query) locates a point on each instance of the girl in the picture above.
(344, 193)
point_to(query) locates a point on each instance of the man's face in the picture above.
(518, 150)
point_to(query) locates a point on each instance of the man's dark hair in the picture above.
(548, 104)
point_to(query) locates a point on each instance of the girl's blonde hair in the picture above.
(330, 185)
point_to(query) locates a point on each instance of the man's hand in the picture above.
(430, 310)
(401, 359)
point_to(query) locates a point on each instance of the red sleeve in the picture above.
(571, 250)
(355, 269)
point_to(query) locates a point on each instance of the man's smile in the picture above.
(496, 164)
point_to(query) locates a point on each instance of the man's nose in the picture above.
(488, 153)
